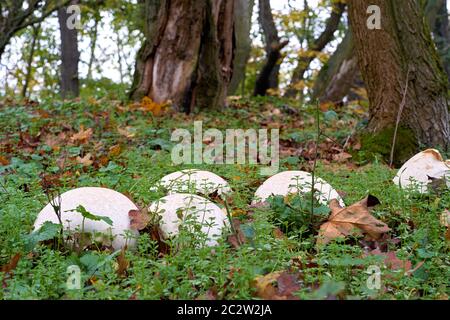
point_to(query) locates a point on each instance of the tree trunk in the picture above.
(188, 54)
(94, 37)
(399, 58)
(268, 77)
(243, 10)
(319, 44)
(337, 76)
(70, 56)
(437, 16)
(35, 35)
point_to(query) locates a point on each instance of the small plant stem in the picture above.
(399, 116)
(230, 218)
(313, 173)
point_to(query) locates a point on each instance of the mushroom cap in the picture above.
(100, 202)
(418, 170)
(289, 182)
(212, 218)
(193, 180)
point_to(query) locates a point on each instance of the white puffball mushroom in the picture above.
(291, 182)
(193, 180)
(182, 205)
(418, 170)
(99, 202)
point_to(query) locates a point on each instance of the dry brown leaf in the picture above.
(238, 238)
(86, 161)
(278, 285)
(139, 219)
(353, 220)
(341, 157)
(115, 150)
(11, 265)
(126, 132)
(3, 161)
(122, 263)
(82, 136)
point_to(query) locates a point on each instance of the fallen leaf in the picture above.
(114, 151)
(4, 161)
(139, 219)
(7, 268)
(393, 262)
(341, 157)
(237, 238)
(122, 264)
(86, 161)
(82, 136)
(353, 220)
(278, 285)
(126, 132)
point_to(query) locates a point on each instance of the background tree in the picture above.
(268, 76)
(243, 23)
(316, 46)
(16, 15)
(70, 55)
(188, 53)
(402, 70)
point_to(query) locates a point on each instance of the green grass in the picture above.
(189, 273)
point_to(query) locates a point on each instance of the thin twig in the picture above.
(399, 115)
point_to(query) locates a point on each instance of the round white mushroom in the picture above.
(195, 181)
(292, 182)
(421, 169)
(97, 201)
(177, 208)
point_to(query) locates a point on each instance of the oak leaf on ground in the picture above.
(353, 220)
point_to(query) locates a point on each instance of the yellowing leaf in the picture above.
(126, 132)
(148, 105)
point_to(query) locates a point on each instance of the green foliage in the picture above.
(87, 215)
(296, 213)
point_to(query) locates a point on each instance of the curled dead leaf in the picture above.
(353, 220)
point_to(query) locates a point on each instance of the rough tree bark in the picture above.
(268, 76)
(338, 75)
(437, 16)
(15, 16)
(401, 53)
(335, 82)
(188, 54)
(243, 10)
(318, 45)
(70, 56)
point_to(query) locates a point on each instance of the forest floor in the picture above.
(127, 148)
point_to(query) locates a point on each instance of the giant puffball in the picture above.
(291, 182)
(195, 181)
(419, 171)
(100, 202)
(181, 205)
